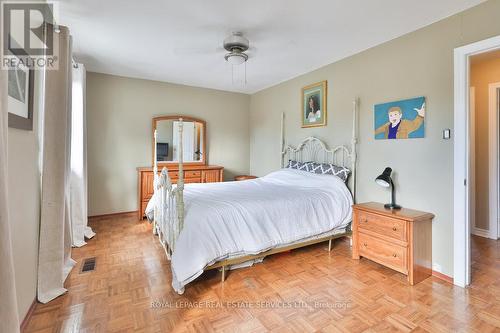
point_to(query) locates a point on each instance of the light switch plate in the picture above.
(446, 134)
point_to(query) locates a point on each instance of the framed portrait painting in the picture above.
(403, 119)
(20, 97)
(313, 107)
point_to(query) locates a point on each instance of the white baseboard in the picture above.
(482, 233)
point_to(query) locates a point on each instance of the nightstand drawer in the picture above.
(382, 225)
(385, 253)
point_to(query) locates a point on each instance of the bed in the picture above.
(235, 224)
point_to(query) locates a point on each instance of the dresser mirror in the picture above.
(167, 140)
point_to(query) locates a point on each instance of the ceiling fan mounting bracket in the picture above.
(236, 43)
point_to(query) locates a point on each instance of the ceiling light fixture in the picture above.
(236, 45)
(236, 57)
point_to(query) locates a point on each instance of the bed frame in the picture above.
(169, 206)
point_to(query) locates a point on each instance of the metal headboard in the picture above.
(312, 149)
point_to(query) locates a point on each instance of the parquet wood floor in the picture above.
(319, 291)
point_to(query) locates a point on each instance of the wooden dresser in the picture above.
(192, 174)
(398, 239)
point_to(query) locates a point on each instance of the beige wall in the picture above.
(24, 206)
(482, 74)
(418, 64)
(119, 115)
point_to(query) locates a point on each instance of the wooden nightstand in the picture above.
(398, 239)
(244, 177)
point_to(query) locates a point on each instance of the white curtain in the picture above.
(78, 182)
(54, 261)
(9, 318)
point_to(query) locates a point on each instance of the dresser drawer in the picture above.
(211, 176)
(382, 225)
(385, 253)
(187, 174)
(186, 180)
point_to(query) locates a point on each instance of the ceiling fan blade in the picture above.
(187, 51)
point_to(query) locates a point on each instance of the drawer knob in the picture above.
(394, 229)
(364, 220)
(395, 255)
(364, 244)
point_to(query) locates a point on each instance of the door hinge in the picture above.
(465, 182)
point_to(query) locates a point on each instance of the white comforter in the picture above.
(248, 217)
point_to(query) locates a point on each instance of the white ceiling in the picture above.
(180, 41)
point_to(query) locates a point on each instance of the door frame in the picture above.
(472, 161)
(493, 109)
(461, 158)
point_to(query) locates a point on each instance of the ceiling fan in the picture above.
(236, 45)
(236, 48)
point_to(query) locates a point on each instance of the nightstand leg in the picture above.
(355, 249)
(354, 236)
(330, 245)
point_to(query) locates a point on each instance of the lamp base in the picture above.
(392, 206)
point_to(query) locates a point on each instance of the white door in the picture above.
(188, 141)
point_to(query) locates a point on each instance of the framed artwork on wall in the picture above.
(403, 119)
(20, 97)
(313, 107)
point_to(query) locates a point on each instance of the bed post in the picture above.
(155, 175)
(223, 277)
(180, 180)
(155, 163)
(354, 142)
(282, 140)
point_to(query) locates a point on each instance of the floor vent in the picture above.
(88, 265)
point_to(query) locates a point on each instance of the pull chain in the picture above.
(244, 81)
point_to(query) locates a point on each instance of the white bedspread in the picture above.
(248, 217)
